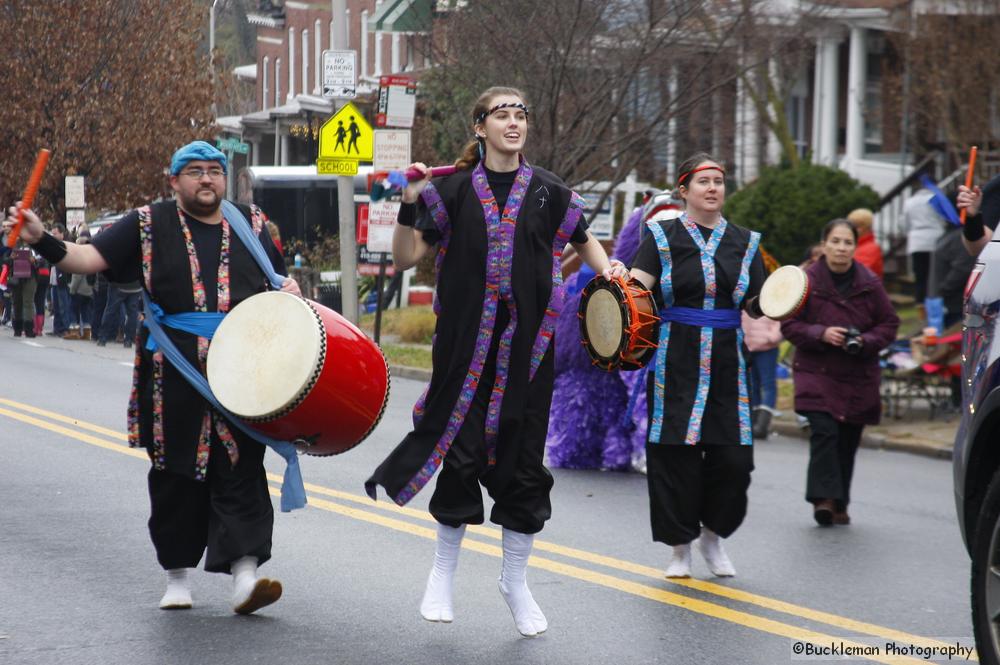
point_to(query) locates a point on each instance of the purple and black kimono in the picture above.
(484, 416)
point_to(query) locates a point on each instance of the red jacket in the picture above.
(869, 254)
(827, 378)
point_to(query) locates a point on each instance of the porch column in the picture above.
(747, 139)
(825, 130)
(856, 82)
(291, 64)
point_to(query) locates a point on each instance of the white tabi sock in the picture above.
(178, 595)
(715, 556)
(680, 562)
(513, 584)
(436, 604)
(250, 593)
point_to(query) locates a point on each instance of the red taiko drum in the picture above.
(298, 371)
(619, 323)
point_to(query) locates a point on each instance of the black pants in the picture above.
(832, 448)
(522, 502)
(920, 262)
(229, 513)
(691, 486)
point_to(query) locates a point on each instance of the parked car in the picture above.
(104, 220)
(977, 449)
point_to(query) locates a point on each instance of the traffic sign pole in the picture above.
(345, 196)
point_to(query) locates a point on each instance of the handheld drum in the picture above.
(618, 323)
(298, 371)
(784, 293)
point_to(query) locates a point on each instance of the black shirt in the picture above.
(843, 280)
(120, 245)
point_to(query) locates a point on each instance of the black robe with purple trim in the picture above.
(462, 248)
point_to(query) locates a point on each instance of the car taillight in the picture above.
(974, 276)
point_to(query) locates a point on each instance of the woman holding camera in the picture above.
(847, 320)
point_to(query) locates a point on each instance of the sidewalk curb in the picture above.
(871, 440)
(415, 373)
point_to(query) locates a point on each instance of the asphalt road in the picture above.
(79, 581)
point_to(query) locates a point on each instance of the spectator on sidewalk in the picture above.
(21, 281)
(846, 321)
(41, 291)
(100, 302)
(81, 291)
(59, 290)
(122, 299)
(868, 253)
(923, 225)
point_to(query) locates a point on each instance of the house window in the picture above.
(873, 92)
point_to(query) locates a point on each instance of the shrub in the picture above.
(790, 206)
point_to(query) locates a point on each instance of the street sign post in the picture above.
(346, 135)
(381, 222)
(340, 74)
(75, 218)
(391, 150)
(232, 145)
(397, 101)
(74, 192)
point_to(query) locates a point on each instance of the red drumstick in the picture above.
(29, 194)
(968, 178)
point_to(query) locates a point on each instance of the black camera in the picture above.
(853, 341)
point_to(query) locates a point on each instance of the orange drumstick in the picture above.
(968, 178)
(29, 194)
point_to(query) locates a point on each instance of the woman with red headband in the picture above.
(500, 226)
(703, 271)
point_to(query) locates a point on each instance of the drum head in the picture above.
(783, 292)
(267, 351)
(604, 323)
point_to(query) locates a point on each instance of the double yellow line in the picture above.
(408, 520)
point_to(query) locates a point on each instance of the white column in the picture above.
(318, 83)
(277, 143)
(773, 154)
(291, 64)
(255, 153)
(395, 52)
(286, 151)
(672, 125)
(264, 77)
(364, 44)
(305, 61)
(277, 82)
(747, 143)
(331, 35)
(816, 97)
(347, 21)
(378, 53)
(828, 102)
(856, 82)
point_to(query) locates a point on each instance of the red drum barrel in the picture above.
(618, 323)
(298, 371)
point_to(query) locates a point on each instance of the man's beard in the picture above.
(198, 209)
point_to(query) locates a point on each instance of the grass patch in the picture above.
(413, 325)
(408, 356)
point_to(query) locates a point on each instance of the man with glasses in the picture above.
(207, 486)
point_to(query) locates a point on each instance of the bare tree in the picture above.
(951, 86)
(112, 87)
(603, 77)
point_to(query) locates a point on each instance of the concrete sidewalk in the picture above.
(915, 431)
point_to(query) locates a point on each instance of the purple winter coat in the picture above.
(827, 378)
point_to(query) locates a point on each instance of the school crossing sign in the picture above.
(344, 140)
